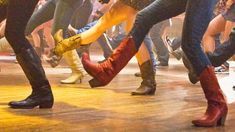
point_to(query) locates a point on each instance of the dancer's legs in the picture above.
(63, 14)
(194, 30)
(62, 18)
(160, 48)
(201, 10)
(216, 26)
(18, 14)
(47, 34)
(117, 14)
(41, 16)
(104, 72)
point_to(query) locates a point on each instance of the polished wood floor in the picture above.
(83, 109)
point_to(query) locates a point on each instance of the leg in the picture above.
(149, 45)
(224, 51)
(40, 16)
(62, 17)
(228, 27)
(104, 72)
(148, 84)
(47, 34)
(209, 36)
(63, 14)
(18, 15)
(37, 41)
(201, 10)
(82, 15)
(161, 50)
(114, 16)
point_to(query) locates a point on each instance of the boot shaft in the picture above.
(121, 55)
(211, 87)
(148, 73)
(32, 67)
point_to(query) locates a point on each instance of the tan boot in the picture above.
(148, 85)
(74, 62)
(64, 45)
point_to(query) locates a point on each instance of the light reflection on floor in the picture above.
(80, 108)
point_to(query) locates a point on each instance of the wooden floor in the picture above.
(83, 109)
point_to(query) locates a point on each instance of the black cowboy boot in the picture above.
(41, 94)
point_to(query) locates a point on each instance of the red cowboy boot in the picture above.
(217, 108)
(104, 72)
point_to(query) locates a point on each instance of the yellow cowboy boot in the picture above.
(63, 45)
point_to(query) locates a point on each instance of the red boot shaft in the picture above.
(104, 72)
(217, 108)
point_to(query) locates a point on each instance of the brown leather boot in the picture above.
(148, 85)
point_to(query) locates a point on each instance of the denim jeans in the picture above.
(61, 11)
(114, 42)
(197, 18)
(102, 40)
(82, 15)
(159, 46)
(17, 14)
(224, 51)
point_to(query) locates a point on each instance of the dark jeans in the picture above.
(17, 14)
(160, 48)
(197, 18)
(105, 41)
(224, 51)
(61, 11)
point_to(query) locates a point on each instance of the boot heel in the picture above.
(46, 105)
(152, 92)
(221, 121)
(95, 83)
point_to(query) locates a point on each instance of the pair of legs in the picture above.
(61, 11)
(198, 15)
(17, 14)
(156, 34)
(118, 13)
(217, 26)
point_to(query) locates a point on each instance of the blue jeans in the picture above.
(114, 42)
(61, 11)
(224, 51)
(197, 18)
(160, 48)
(102, 40)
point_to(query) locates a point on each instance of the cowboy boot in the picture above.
(216, 105)
(148, 85)
(104, 72)
(77, 69)
(64, 45)
(41, 94)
